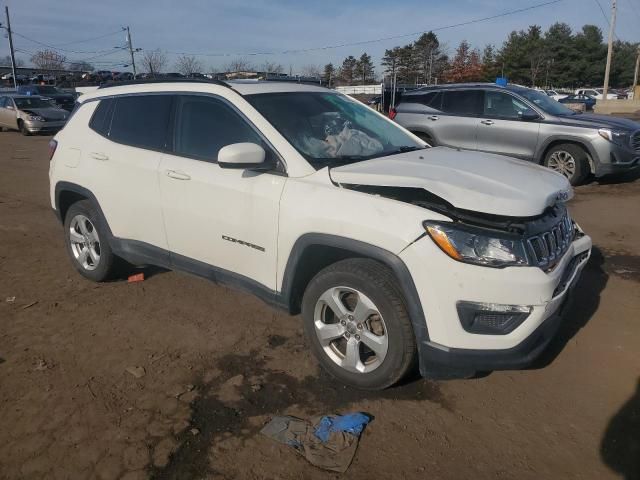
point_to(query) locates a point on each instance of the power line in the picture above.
(365, 42)
(91, 39)
(606, 18)
(54, 47)
(634, 8)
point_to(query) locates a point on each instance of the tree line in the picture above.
(558, 57)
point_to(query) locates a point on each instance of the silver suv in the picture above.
(523, 123)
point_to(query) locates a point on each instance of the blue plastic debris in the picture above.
(352, 423)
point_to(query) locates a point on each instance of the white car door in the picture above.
(217, 217)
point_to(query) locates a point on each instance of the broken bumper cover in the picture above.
(450, 347)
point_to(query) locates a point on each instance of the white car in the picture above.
(555, 95)
(395, 253)
(596, 93)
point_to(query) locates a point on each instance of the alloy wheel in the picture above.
(85, 243)
(562, 162)
(351, 329)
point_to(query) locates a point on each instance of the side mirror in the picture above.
(242, 155)
(529, 115)
(10, 107)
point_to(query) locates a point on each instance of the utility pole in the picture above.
(133, 60)
(612, 26)
(635, 76)
(13, 55)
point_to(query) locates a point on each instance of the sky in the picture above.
(229, 29)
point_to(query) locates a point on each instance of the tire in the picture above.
(359, 282)
(570, 160)
(90, 254)
(426, 137)
(23, 129)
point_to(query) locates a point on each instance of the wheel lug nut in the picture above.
(358, 337)
(343, 323)
(350, 317)
(359, 326)
(347, 335)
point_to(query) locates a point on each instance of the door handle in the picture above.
(487, 122)
(99, 156)
(178, 175)
(433, 118)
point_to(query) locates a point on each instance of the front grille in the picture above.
(546, 248)
(635, 141)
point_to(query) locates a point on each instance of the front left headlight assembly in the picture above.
(477, 246)
(620, 137)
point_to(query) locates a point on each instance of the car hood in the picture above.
(48, 113)
(600, 121)
(480, 182)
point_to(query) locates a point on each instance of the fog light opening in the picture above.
(491, 318)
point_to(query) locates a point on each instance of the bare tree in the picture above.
(48, 60)
(154, 61)
(272, 67)
(6, 61)
(311, 71)
(188, 64)
(239, 65)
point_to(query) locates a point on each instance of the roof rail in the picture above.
(145, 81)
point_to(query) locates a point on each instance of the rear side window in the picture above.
(463, 102)
(141, 121)
(3, 102)
(204, 125)
(101, 119)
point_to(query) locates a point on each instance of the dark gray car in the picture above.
(523, 123)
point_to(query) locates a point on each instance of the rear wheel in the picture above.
(87, 243)
(357, 324)
(570, 160)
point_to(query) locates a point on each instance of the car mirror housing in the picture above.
(529, 115)
(242, 155)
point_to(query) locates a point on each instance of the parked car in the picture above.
(597, 93)
(31, 114)
(19, 77)
(586, 100)
(42, 79)
(123, 76)
(554, 94)
(521, 123)
(104, 75)
(395, 253)
(60, 98)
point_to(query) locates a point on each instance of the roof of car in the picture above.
(243, 87)
(462, 86)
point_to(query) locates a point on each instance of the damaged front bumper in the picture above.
(443, 283)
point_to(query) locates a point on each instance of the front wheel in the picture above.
(570, 160)
(23, 129)
(357, 324)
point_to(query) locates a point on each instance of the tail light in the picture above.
(392, 113)
(52, 148)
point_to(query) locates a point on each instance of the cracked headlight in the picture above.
(477, 246)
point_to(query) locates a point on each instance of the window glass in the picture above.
(101, 118)
(499, 104)
(141, 120)
(204, 125)
(463, 102)
(3, 102)
(32, 102)
(330, 129)
(431, 99)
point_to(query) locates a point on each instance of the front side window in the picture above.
(141, 121)
(204, 125)
(544, 102)
(502, 105)
(3, 102)
(463, 102)
(330, 129)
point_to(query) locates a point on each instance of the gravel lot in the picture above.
(216, 364)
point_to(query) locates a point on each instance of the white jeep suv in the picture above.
(396, 254)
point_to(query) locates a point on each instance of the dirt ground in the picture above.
(214, 365)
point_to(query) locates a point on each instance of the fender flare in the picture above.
(366, 250)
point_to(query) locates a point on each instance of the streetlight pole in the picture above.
(612, 26)
(11, 51)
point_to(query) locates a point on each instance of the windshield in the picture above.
(32, 102)
(47, 90)
(545, 102)
(329, 129)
